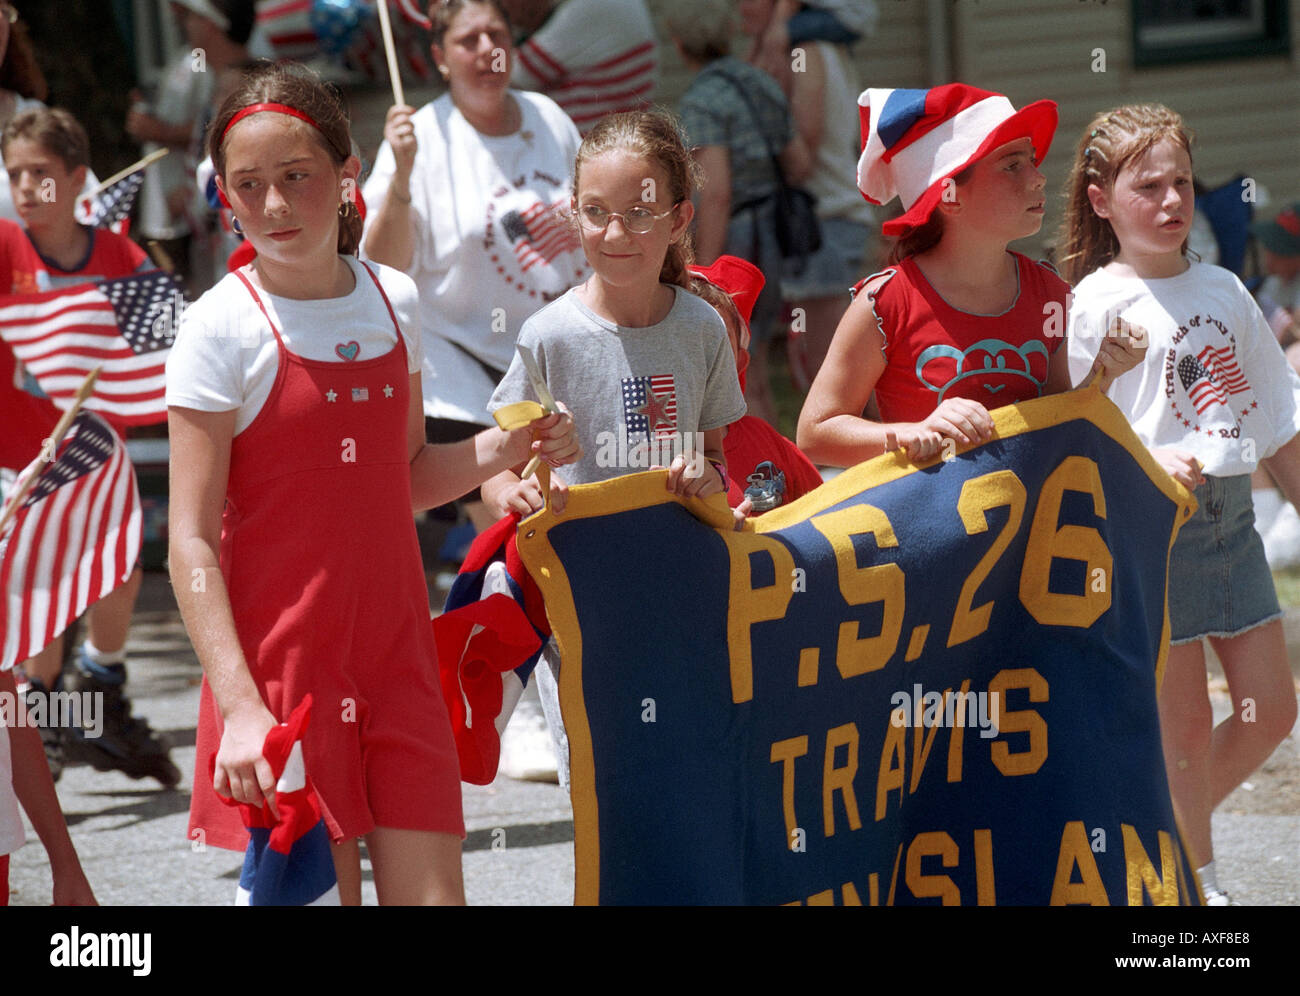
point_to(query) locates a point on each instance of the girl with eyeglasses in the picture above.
(644, 362)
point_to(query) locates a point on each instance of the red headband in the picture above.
(244, 112)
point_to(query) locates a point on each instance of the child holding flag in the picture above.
(46, 155)
(298, 455)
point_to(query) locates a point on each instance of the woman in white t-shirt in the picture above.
(464, 198)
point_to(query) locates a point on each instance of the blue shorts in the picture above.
(1219, 580)
(834, 268)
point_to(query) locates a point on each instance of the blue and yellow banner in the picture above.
(919, 684)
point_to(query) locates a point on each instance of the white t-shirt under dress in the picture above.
(225, 356)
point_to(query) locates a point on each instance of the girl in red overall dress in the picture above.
(959, 324)
(309, 497)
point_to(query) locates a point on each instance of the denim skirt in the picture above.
(1219, 581)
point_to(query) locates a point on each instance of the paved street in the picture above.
(131, 835)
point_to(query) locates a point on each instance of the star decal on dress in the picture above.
(331, 395)
(388, 390)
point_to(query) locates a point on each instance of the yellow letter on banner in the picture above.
(1075, 853)
(864, 585)
(978, 495)
(1029, 721)
(932, 886)
(751, 605)
(1141, 874)
(1081, 543)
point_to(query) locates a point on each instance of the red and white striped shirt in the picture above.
(592, 73)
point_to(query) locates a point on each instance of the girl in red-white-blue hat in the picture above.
(959, 324)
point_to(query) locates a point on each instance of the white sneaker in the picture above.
(1213, 897)
(527, 753)
(1282, 541)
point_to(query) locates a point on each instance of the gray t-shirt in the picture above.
(639, 395)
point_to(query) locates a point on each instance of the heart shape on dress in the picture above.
(348, 350)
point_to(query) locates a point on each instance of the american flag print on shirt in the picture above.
(124, 326)
(1210, 377)
(539, 234)
(74, 539)
(650, 405)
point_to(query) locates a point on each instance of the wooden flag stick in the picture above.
(386, 29)
(161, 257)
(60, 430)
(135, 167)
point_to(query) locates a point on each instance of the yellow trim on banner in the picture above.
(647, 489)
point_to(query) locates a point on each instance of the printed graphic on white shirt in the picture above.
(650, 405)
(536, 233)
(1209, 378)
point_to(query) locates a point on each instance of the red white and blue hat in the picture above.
(912, 140)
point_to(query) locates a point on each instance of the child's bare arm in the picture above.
(832, 430)
(1284, 465)
(200, 466)
(443, 472)
(35, 791)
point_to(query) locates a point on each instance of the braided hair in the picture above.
(1111, 141)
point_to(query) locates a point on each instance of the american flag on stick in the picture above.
(539, 234)
(124, 326)
(69, 535)
(110, 206)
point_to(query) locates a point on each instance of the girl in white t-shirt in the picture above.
(298, 453)
(1213, 398)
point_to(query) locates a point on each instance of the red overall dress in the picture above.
(321, 562)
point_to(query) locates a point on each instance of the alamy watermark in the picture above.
(618, 450)
(82, 711)
(950, 709)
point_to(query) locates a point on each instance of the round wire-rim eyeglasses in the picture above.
(637, 220)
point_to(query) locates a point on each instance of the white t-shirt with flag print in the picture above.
(490, 248)
(1214, 381)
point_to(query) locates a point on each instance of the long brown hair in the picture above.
(297, 87)
(1111, 141)
(656, 137)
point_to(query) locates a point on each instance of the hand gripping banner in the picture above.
(916, 685)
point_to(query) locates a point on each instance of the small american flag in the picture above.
(287, 862)
(650, 405)
(539, 234)
(111, 207)
(74, 539)
(126, 326)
